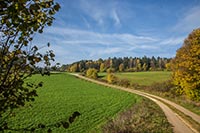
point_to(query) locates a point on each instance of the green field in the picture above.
(62, 94)
(143, 78)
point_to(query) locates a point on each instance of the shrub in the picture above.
(111, 78)
(110, 70)
(92, 73)
(165, 86)
(136, 86)
(123, 82)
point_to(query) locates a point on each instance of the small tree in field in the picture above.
(102, 67)
(19, 21)
(111, 78)
(186, 66)
(92, 73)
(121, 67)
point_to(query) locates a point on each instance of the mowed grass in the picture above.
(62, 94)
(143, 78)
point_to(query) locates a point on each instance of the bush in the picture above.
(123, 82)
(110, 70)
(92, 73)
(111, 78)
(165, 86)
(136, 86)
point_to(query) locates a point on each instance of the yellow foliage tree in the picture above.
(92, 73)
(168, 66)
(74, 68)
(186, 66)
(102, 67)
(111, 78)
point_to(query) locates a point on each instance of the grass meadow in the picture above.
(154, 80)
(143, 78)
(62, 94)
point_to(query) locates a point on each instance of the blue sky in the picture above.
(93, 29)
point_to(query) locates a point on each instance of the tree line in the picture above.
(125, 64)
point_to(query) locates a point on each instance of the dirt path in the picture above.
(179, 124)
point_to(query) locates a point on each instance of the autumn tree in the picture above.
(110, 70)
(102, 67)
(81, 66)
(138, 65)
(121, 67)
(168, 66)
(127, 64)
(111, 78)
(20, 20)
(144, 67)
(153, 64)
(186, 66)
(74, 68)
(92, 73)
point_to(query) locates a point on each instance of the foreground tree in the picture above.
(186, 66)
(20, 20)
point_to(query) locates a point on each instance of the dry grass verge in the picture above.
(145, 116)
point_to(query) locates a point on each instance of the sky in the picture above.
(93, 29)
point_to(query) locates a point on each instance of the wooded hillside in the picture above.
(126, 64)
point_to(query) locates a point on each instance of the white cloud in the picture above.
(100, 12)
(105, 51)
(75, 36)
(189, 21)
(116, 18)
(86, 22)
(149, 47)
(93, 10)
(82, 44)
(173, 41)
(113, 30)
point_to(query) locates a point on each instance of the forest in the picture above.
(125, 64)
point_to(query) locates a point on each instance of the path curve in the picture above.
(179, 125)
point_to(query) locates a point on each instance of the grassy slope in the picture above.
(145, 78)
(143, 117)
(142, 78)
(63, 94)
(148, 78)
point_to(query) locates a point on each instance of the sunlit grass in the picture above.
(62, 94)
(143, 78)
